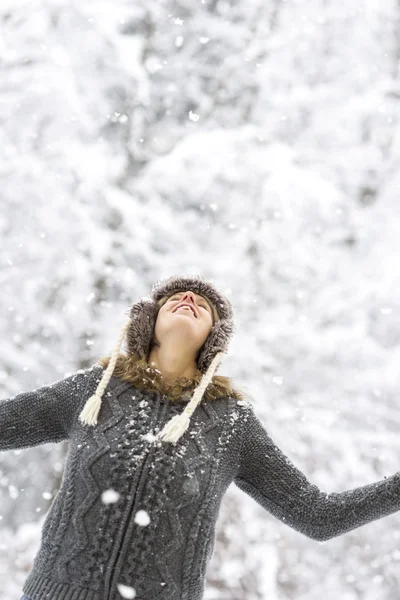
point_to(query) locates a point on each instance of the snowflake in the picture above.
(142, 518)
(150, 437)
(109, 496)
(242, 403)
(126, 591)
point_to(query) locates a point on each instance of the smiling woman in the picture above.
(180, 344)
(177, 333)
(183, 324)
(171, 366)
(153, 457)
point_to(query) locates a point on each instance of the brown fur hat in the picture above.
(143, 315)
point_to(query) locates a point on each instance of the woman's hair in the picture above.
(137, 371)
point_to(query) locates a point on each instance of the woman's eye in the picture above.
(175, 298)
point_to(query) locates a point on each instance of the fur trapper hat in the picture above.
(139, 330)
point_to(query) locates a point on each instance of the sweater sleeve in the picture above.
(42, 415)
(270, 478)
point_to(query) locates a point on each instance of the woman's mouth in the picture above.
(188, 308)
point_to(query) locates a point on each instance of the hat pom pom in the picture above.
(91, 409)
(175, 428)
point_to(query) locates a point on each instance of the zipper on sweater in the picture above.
(134, 502)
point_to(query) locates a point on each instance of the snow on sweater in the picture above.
(156, 535)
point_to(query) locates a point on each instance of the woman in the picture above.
(155, 439)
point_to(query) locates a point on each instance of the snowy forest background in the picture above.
(254, 143)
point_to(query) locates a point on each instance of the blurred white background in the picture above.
(258, 145)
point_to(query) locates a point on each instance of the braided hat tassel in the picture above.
(177, 426)
(90, 411)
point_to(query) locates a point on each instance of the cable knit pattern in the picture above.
(269, 477)
(98, 550)
(42, 415)
(91, 546)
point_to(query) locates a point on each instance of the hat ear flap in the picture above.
(217, 341)
(143, 315)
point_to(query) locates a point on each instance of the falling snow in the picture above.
(110, 496)
(126, 591)
(256, 144)
(142, 518)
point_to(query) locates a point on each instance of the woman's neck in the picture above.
(172, 366)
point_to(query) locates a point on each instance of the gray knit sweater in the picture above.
(91, 547)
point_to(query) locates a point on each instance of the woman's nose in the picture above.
(189, 296)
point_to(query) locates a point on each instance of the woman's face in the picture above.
(188, 326)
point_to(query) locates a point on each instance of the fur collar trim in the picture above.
(142, 375)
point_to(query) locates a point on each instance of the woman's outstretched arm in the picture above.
(42, 415)
(271, 479)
